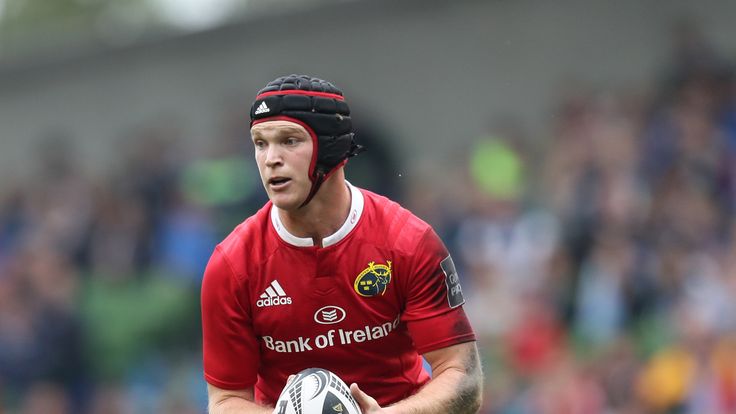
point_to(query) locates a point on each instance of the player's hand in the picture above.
(368, 404)
(288, 381)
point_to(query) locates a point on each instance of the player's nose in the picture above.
(273, 156)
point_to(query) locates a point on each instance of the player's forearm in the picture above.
(454, 390)
(222, 401)
(235, 405)
(450, 393)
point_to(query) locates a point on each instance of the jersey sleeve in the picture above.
(434, 314)
(230, 348)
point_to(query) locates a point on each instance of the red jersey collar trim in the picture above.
(356, 211)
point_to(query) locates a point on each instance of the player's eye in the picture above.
(259, 144)
(291, 141)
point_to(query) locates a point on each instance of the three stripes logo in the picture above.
(262, 108)
(273, 296)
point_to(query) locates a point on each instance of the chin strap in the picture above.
(320, 176)
(316, 184)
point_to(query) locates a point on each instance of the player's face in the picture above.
(283, 154)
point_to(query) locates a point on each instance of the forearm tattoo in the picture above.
(467, 398)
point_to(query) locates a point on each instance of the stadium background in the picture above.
(577, 159)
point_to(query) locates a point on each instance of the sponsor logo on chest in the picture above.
(329, 315)
(331, 338)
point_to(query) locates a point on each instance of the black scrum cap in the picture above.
(320, 108)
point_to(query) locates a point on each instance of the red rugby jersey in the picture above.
(380, 292)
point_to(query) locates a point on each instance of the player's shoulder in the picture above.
(393, 219)
(247, 238)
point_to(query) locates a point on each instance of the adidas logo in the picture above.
(274, 295)
(262, 108)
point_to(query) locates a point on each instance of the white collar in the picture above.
(356, 210)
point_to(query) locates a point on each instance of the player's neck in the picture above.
(324, 214)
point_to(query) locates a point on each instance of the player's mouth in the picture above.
(278, 183)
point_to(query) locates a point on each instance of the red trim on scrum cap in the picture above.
(337, 167)
(310, 131)
(301, 92)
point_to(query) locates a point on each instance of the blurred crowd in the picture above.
(598, 261)
(602, 261)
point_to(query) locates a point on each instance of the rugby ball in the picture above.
(316, 391)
